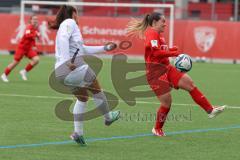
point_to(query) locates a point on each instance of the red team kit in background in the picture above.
(27, 45)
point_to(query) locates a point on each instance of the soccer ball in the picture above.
(183, 63)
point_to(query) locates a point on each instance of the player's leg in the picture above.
(186, 83)
(8, 69)
(102, 103)
(162, 112)
(71, 80)
(17, 58)
(83, 76)
(34, 60)
(162, 89)
(78, 111)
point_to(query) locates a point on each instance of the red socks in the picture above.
(161, 117)
(197, 96)
(7, 71)
(28, 67)
(201, 100)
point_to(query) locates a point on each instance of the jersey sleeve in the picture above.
(158, 50)
(90, 49)
(93, 49)
(163, 53)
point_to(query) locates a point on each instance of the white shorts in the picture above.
(82, 76)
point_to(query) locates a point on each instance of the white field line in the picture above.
(121, 101)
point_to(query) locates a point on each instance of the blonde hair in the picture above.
(136, 28)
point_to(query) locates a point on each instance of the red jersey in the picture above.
(29, 37)
(161, 76)
(156, 50)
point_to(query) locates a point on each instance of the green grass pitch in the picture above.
(27, 117)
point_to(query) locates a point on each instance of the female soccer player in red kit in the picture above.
(26, 47)
(161, 75)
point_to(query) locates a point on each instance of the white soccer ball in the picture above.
(183, 63)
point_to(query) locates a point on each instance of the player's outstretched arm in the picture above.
(99, 49)
(171, 52)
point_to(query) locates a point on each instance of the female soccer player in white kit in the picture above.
(78, 75)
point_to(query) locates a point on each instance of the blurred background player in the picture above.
(26, 47)
(77, 75)
(161, 75)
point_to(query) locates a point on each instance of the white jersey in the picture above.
(68, 40)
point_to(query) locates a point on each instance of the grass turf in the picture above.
(28, 117)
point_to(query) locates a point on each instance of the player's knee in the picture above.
(81, 94)
(167, 102)
(13, 64)
(35, 60)
(82, 98)
(186, 83)
(191, 85)
(95, 87)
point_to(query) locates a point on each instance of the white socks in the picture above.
(79, 108)
(102, 103)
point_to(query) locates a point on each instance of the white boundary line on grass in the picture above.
(121, 101)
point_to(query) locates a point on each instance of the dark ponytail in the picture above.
(63, 13)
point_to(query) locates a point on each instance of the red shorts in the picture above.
(20, 53)
(162, 80)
